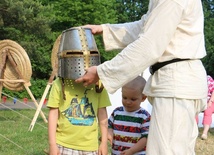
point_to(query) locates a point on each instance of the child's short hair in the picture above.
(139, 82)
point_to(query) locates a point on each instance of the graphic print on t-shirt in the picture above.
(80, 113)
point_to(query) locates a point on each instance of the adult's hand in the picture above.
(95, 29)
(90, 77)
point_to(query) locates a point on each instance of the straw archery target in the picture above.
(22, 61)
(54, 57)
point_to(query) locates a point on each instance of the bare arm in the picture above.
(103, 123)
(110, 135)
(139, 146)
(52, 124)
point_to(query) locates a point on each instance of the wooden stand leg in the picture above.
(1, 86)
(7, 55)
(43, 98)
(26, 85)
(39, 107)
(35, 102)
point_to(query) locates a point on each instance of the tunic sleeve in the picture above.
(152, 37)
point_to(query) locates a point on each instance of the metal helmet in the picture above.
(77, 52)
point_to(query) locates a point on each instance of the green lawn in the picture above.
(205, 147)
(15, 138)
(14, 135)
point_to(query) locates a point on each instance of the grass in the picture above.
(14, 135)
(15, 138)
(205, 147)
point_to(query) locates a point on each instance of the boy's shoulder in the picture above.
(117, 110)
(142, 110)
(120, 108)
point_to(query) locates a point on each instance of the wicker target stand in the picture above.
(15, 69)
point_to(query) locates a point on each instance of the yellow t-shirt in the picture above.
(77, 126)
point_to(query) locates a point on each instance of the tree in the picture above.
(208, 61)
(131, 10)
(28, 23)
(81, 12)
(35, 25)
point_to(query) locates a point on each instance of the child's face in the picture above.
(131, 99)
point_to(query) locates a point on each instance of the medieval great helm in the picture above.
(77, 51)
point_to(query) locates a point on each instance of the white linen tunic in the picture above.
(170, 29)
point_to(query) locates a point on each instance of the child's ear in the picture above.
(143, 97)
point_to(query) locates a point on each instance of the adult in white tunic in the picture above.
(170, 29)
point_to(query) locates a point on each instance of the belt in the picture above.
(156, 66)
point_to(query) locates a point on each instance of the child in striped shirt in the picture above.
(128, 125)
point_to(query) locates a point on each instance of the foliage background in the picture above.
(35, 25)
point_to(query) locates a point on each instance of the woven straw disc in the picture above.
(23, 64)
(54, 57)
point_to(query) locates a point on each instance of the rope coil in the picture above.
(22, 62)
